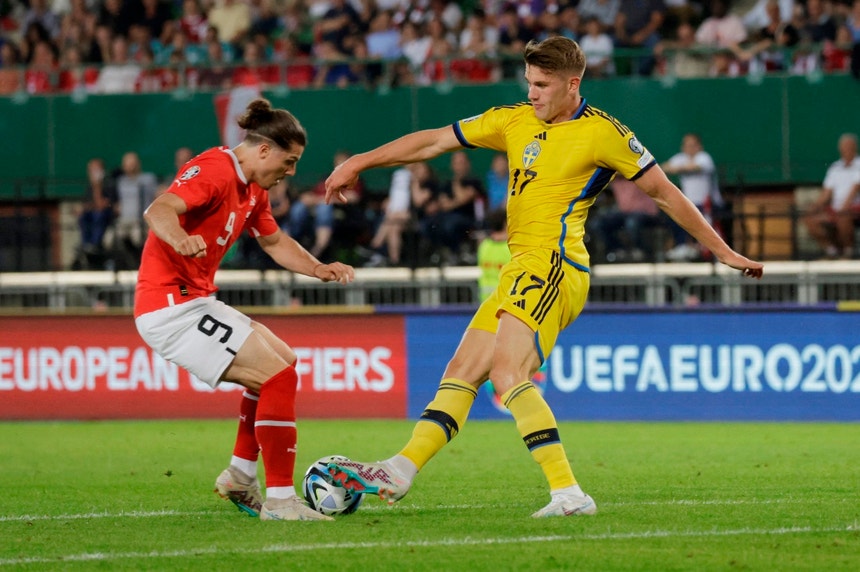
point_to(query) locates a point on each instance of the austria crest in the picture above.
(530, 154)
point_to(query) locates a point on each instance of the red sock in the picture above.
(275, 427)
(246, 440)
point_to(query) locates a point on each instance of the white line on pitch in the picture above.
(336, 546)
(378, 507)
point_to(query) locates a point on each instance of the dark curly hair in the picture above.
(262, 121)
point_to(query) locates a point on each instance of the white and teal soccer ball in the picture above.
(323, 495)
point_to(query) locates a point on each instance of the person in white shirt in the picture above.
(831, 218)
(598, 49)
(697, 173)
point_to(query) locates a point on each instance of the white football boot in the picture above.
(240, 489)
(380, 478)
(293, 508)
(568, 505)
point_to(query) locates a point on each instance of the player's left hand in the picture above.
(749, 268)
(335, 272)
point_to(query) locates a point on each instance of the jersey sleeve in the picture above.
(261, 222)
(199, 185)
(485, 130)
(617, 148)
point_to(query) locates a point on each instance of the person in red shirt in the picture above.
(220, 193)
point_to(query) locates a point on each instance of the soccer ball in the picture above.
(323, 495)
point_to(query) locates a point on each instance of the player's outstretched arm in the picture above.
(291, 255)
(417, 146)
(673, 202)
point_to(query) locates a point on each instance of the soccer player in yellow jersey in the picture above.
(562, 153)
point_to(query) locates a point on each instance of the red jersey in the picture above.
(221, 204)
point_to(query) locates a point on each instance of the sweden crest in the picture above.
(530, 154)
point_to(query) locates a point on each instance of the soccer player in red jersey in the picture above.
(220, 193)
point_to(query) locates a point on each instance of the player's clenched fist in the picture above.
(193, 246)
(335, 272)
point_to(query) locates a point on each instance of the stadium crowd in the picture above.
(119, 46)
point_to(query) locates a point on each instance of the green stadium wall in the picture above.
(766, 131)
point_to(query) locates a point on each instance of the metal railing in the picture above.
(652, 285)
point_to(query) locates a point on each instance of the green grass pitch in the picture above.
(671, 496)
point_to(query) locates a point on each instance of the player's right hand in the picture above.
(193, 246)
(339, 180)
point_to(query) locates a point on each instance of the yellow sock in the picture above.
(539, 430)
(441, 421)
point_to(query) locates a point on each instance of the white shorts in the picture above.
(201, 335)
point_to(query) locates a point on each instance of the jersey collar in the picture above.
(236, 165)
(579, 110)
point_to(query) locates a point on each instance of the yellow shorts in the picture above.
(542, 291)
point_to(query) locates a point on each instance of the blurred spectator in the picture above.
(478, 43)
(39, 77)
(335, 70)
(388, 237)
(442, 46)
(621, 225)
(416, 48)
(135, 190)
(74, 75)
(597, 47)
(820, 25)
(10, 74)
(156, 17)
(153, 79)
(279, 198)
(116, 16)
(831, 218)
(513, 37)
(193, 22)
(549, 24)
(264, 19)
(497, 182)
(254, 70)
(181, 156)
(721, 29)
(34, 34)
(339, 21)
(459, 211)
(768, 49)
(40, 12)
(682, 57)
(310, 213)
(479, 38)
(99, 46)
(605, 11)
(232, 20)
(837, 54)
(569, 21)
(96, 215)
(216, 74)
(697, 173)
(759, 17)
(853, 21)
(300, 72)
(637, 25)
(383, 38)
(120, 74)
(493, 253)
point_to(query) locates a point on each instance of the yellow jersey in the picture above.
(556, 171)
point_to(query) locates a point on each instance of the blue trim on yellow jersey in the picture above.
(595, 184)
(460, 137)
(539, 351)
(645, 168)
(579, 111)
